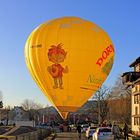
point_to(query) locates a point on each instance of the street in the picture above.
(69, 136)
(73, 136)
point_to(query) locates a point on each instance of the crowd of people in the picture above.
(116, 130)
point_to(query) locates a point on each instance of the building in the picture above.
(88, 112)
(20, 117)
(18, 114)
(4, 116)
(47, 115)
(133, 79)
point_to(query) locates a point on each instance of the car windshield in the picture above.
(105, 130)
(86, 126)
(83, 125)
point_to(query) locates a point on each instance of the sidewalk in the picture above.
(69, 136)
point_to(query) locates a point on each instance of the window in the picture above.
(136, 98)
(138, 86)
(136, 110)
(137, 68)
(136, 120)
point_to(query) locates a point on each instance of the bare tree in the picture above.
(102, 96)
(120, 103)
(11, 114)
(120, 90)
(32, 107)
(1, 102)
(30, 104)
(0, 95)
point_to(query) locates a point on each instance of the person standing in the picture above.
(109, 124)
(61, 127)
(104, 124)
(125, 130)
(79, 131)
(116, 131)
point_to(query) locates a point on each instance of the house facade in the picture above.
(47, 115)
(133, 79)
(4, 116)
(18, 114)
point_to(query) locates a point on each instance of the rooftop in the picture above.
(135, 62)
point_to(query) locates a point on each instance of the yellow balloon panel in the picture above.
(69, 58)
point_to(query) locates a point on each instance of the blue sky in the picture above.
(119, 18)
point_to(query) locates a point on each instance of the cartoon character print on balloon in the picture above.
(57, 55)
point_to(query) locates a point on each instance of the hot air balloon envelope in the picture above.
(69, 58)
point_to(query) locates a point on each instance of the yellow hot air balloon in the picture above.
(69, 58)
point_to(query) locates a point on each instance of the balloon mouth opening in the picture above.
(64, 110)
(64, 115)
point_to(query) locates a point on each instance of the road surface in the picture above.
(69, 136)
(73, 136)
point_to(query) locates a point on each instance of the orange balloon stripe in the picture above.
(66, 108)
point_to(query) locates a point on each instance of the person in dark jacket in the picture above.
(126, 130)
(116, 131)
(79, 131)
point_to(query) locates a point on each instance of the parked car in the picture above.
(84, 127)
(73, 127)
(90, 131)
(102, 133)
